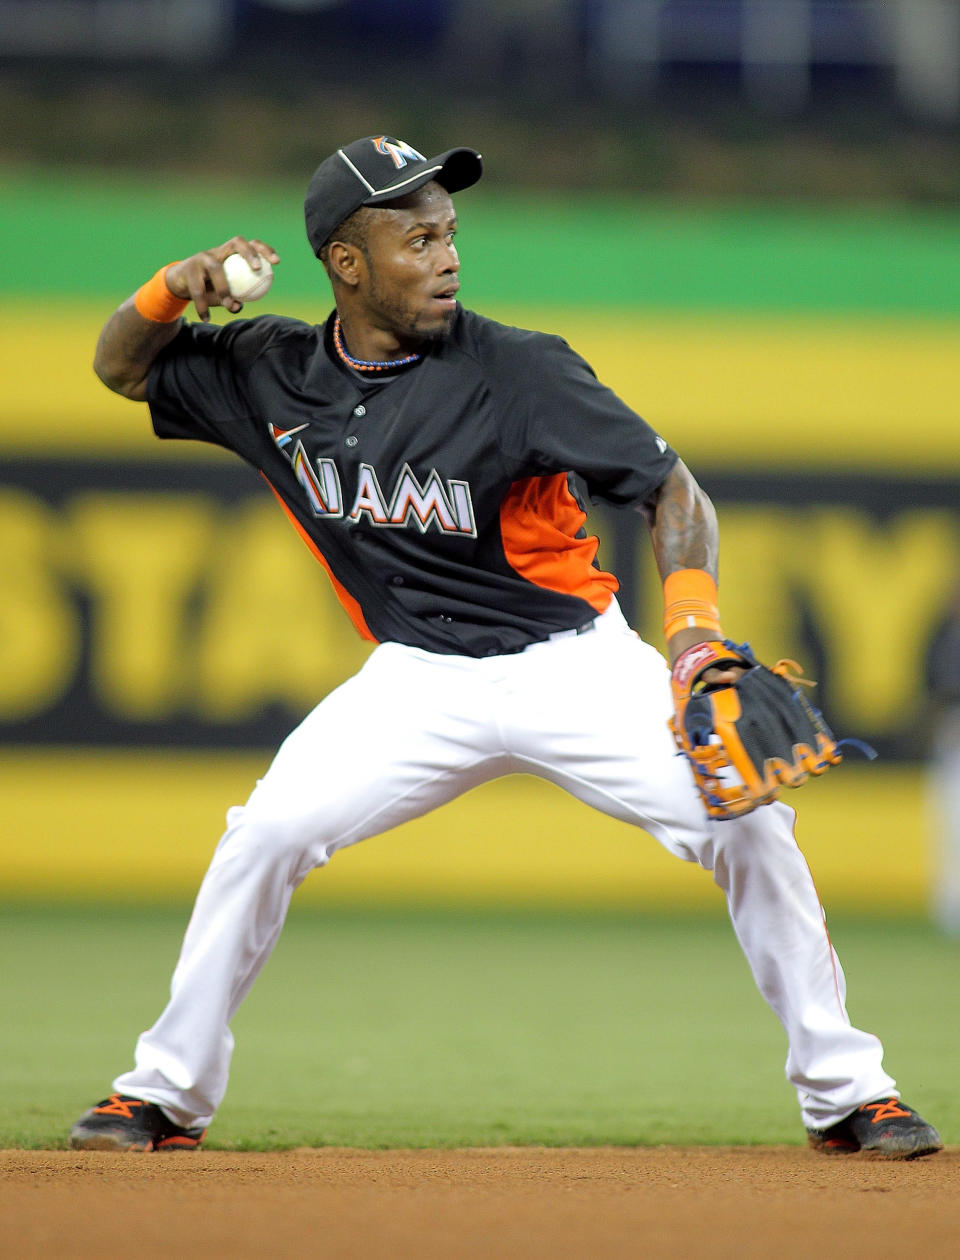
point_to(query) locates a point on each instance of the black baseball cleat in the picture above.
(122, 1123)
(887, 1129)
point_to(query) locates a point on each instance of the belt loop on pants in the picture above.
(568, 634)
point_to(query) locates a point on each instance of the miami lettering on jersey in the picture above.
(448, 506)
(322, 484)
(445, 505)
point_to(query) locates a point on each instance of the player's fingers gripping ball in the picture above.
(747, 740)
(247, 285)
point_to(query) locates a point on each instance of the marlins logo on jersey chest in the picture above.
(433, 503)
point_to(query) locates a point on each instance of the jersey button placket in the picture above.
(359, 412)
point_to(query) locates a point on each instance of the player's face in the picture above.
(410, 283)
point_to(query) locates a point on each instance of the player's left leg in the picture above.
(604, 738)
(780, 924)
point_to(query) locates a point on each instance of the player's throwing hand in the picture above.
(202, 280)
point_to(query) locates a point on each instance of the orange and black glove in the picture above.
(746, 740)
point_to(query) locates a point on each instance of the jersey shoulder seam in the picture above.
(476, 356)
(283, 327)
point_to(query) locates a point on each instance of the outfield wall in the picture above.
(805, 366)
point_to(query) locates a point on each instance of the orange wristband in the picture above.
(154, 300)
(690, 601)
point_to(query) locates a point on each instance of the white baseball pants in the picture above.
(414, 729)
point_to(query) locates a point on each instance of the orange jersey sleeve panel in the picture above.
(539, 523)
(350, 605)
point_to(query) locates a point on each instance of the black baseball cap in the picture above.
(373, 170)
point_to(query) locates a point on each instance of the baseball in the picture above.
(247, 285)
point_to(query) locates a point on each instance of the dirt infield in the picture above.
(532, 1203)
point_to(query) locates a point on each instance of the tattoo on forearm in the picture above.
(683, 526)
(127, 347)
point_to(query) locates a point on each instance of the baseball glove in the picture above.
(747, 740)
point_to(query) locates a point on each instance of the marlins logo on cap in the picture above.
(375, 170)
(399, 150)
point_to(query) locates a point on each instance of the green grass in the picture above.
(385, 1028)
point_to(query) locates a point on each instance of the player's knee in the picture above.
(286, 842)
(760, 845)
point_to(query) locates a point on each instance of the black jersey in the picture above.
(439, 499)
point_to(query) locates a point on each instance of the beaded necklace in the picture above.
(368, 365)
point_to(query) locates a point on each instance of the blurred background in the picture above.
(742, 212)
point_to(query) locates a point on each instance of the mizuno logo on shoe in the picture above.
(886, 1109)
(119, 1106)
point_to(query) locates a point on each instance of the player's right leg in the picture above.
(407, 733)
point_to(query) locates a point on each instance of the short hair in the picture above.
(354, 230)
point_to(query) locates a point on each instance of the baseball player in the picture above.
(434, 462)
